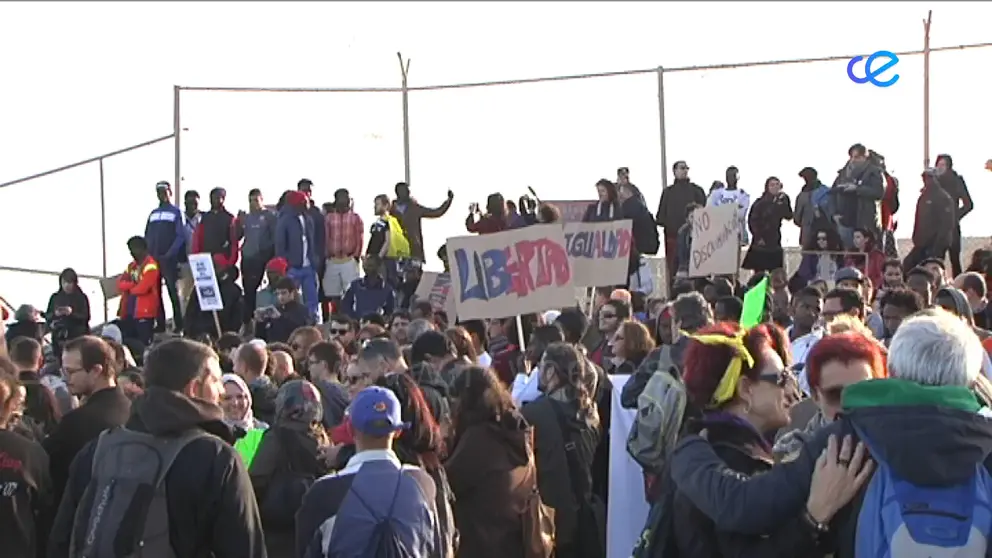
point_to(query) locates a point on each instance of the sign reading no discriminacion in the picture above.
(205, 282)
(715, 248)
(512, 272)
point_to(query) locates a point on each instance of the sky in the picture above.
(82, 79)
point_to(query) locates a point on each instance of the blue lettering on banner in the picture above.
(871, 75)
(599, 244)
(502, 271)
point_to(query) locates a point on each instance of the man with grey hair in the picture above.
(690, 313)
(417, 328)
(924, 425)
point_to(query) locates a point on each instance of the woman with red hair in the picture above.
(835, 362)
(739, 384)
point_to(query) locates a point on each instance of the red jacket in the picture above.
(140, 288)
(890, 203)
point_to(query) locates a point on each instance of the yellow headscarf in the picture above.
(728, 382)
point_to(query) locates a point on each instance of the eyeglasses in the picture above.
(335, 331)
(832, 395)
(355, 380)
(780, 379)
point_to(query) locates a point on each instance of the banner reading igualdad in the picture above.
(512, 272)
(599, 252)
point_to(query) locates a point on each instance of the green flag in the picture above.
(754, 304)
(248, 445)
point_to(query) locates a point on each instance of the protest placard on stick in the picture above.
(512, 272)
(599, 252)
(715, 246)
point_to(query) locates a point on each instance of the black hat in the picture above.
(810, 171)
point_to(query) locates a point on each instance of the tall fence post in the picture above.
(176, 123)
(404, 71)
(661, 127)
(103, 238)
(926, 90)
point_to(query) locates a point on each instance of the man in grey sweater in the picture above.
(259, 229)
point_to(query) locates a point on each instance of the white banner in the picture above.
(715, 249)
(628, 509)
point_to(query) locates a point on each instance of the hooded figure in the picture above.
(68, 312)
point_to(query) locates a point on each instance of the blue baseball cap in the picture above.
(375, 411)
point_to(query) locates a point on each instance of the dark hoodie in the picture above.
(435, 390)
(77, 323)
(674, 200)
(492, 474)
(26, 513)
(212, 508)
(928, 435)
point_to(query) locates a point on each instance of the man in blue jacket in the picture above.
(370, 294)
(296, 242)
(165, 234)
(924, 423)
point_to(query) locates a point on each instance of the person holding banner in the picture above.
(607, 208)
(495, 219)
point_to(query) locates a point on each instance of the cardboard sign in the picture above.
(599, 252)
(205, 282)
(436, 288)
(572, 211)
(509, 273)
(715, 249)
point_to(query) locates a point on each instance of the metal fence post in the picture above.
(103, 238)
(176, 123)
(926, 90)
(661, 127)
(404, 70)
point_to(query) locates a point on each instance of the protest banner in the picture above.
(572, 211)
(599, 252)
(715, 249)
(436, 288)
(512, 272)
(205, 283)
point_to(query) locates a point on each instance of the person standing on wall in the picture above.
(345, 236)
(166, 238)
(258, 227)
(295, 241)
(191, 220)
(409, 213)
(217, 234)
(671, 213)
(314, 213)
(953, 183)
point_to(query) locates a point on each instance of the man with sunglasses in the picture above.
(343, 330)
(672, 212)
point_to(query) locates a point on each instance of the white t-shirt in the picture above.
(306, 247)
(525, 388)
(485, 360)
(723, 196)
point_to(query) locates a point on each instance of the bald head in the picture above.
(282, 366)
(250, 361)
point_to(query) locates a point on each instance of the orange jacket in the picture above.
(140, 288)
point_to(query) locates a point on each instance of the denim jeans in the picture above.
(306, 278)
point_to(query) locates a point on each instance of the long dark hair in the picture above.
(575, 378)
(422, 442)
(496, 206)
(833, 240)
(481, 398)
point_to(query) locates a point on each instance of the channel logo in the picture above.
(871, 75)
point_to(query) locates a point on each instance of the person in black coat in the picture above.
(68, 312)
(765, 223)
(90, 363)
(643, 231)
(277, 324)
(26, 510)
(953, 183)
(211, 504)
(608, 206)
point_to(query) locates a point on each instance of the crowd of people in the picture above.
(327, 412)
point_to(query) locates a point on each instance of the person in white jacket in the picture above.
(729, 192)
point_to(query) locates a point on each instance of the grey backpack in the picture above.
(660, 410)
(123, 511)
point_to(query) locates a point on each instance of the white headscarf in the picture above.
(248, 421)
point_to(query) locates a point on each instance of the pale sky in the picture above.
(83, 79)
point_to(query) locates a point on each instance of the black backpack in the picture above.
(590, 530)
(289, 484)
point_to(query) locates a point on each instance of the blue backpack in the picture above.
(902, 520)
(363, 529)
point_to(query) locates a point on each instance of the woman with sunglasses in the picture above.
(739, 390)
(821, 259)
(834, 362)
